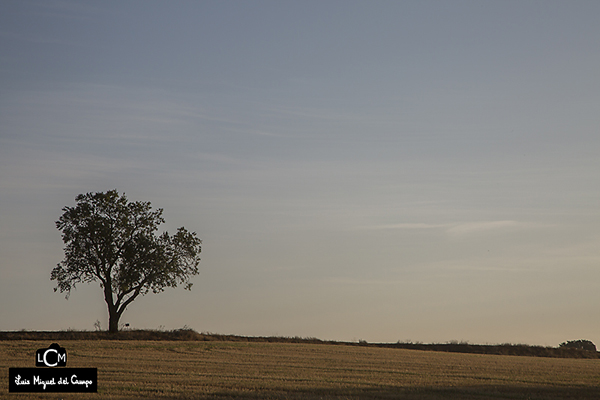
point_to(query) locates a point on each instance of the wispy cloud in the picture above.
(482, 226)
(67, 9)
(38, 39)
(417, 225)
(457, 229)
(111, 112)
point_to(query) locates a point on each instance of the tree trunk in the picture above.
(113, 321)
(113, 314)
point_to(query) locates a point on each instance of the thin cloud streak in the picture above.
(457, 229)
(482, 226)
(407, 226)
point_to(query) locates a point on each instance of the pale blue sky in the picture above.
(377, 170)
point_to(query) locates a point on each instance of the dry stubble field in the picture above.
(221, 370)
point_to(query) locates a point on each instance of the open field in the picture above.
(207, 370)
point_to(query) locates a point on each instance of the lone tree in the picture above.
(113, 241)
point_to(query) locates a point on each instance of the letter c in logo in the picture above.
(46, 362)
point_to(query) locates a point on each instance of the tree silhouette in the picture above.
(113, 241)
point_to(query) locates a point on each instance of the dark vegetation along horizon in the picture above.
(570, 349)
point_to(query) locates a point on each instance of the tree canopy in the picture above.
(113, 241)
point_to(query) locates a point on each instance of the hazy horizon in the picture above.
(384, 171)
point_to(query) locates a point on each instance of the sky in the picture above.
(357, 170)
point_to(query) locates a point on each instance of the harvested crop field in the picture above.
(222, 370)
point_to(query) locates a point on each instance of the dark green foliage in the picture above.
(112, 241)
(579, 344)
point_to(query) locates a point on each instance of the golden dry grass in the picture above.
(207, 370)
